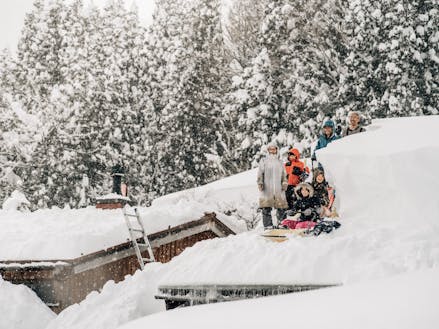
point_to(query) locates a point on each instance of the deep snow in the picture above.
(402, 302)
(376, 239)
(60, 234)
(20, 308)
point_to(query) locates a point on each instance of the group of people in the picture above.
(285, 187)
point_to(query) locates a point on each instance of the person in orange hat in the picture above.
(297, 172)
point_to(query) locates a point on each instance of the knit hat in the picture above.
(329, 123)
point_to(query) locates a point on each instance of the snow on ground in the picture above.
(20, 308)
(377, 239)
(59, 234)
(403, 302)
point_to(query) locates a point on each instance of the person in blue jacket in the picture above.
(327, 137)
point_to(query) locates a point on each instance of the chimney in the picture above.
(119, 196)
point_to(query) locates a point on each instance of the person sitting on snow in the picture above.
(327, 137)
(272, 183)
(354, 126)
(297, 172)
(323, 192)
(306, 208)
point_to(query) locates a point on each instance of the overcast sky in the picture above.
(12, 14)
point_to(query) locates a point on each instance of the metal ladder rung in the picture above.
(148, 260)
(136, 230)
(130, 215)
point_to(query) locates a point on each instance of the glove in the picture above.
(297, 171)
(303, 176)
(284, 187)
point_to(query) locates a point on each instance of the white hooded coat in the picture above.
(272, 176)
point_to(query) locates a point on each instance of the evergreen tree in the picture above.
(392, 67)
(190, 56)
(293, 82)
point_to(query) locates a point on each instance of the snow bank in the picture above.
(20, 308)
(389, 174)
(404, 302)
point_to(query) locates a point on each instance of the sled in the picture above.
(282, 234)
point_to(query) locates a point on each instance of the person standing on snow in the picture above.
(272, 184)
(354, 126)
(296, 173)
(327, 137)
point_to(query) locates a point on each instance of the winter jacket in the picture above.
(323, 142)
(321, 192)
(295, 169)
(309, 206)
(348, 131)
(273, 179)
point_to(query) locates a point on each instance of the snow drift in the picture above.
(376, 239)
(20, 308)
(59, 234)
(404, 302)
(391, 171)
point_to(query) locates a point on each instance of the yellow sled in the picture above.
(282, 234)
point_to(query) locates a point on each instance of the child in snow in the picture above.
(297, 172)
(323, 192)
(306, 208)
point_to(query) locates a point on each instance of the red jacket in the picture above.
(293, 175)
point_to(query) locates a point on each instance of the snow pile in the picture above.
(116, 304)
(392, 171)
(235, 195)
(59, 233)
(403, 302)
(20, 308)
(70, 233)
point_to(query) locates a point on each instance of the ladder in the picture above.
(134, 228)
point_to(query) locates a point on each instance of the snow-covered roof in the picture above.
(59, 234)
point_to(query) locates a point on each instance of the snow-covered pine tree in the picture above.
(243, 24)
(293, 81)
(392, 67)
(38, 67)
(188, 47)
(99, 107)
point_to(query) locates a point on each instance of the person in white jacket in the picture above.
(272, 183)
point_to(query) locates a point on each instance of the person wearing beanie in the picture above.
(296, 171)
(326, 137)
(272, 184)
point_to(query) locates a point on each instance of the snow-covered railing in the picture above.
(188, 295)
